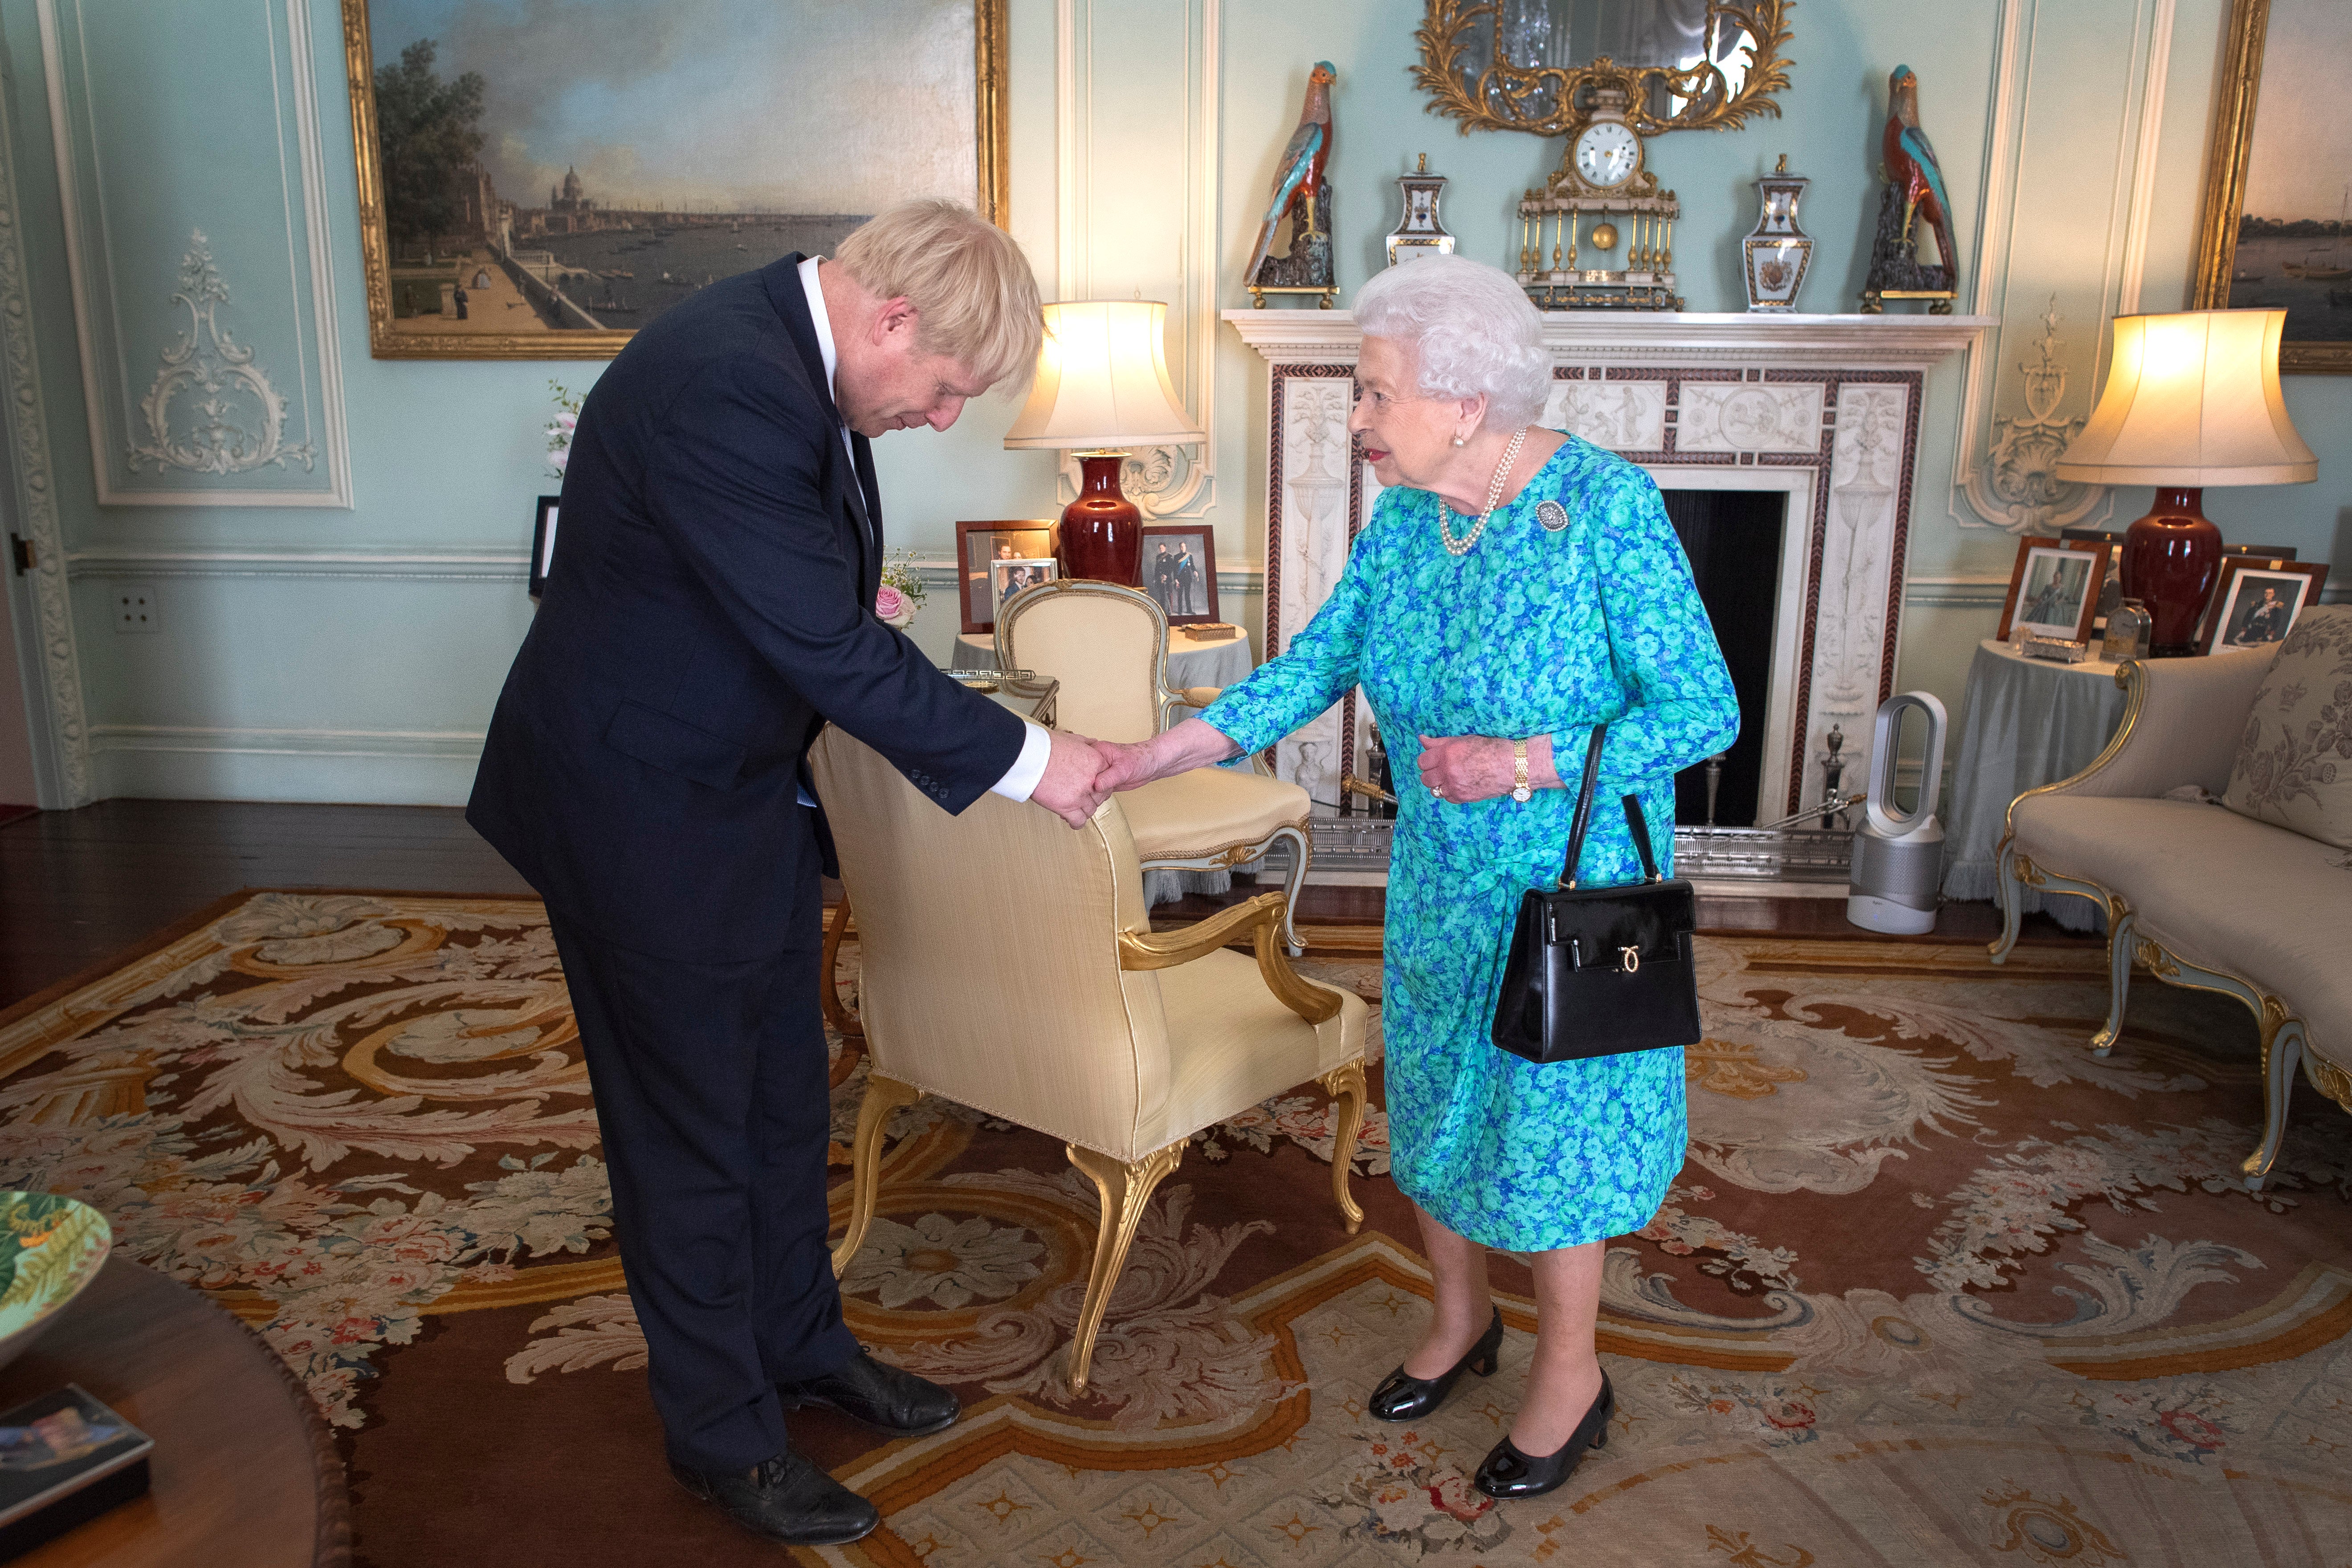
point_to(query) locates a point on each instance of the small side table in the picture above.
(245, 1470)
(2024, 722)
(1190, 663)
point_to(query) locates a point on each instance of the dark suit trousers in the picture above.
(710, 1086)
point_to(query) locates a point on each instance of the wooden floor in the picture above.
(79, 888)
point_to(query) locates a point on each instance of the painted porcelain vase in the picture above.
(1772, 259)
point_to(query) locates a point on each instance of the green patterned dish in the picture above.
(49, 1248)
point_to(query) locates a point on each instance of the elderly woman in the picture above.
(1513, 587)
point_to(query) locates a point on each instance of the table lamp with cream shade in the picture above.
(1102, 390)
(2191, 399)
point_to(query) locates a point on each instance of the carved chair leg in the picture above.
(1345, 1085)
(1301, 852)
(2282, 1049)
(1126, 1188)
(2012, 913)
(2122, 923)
(883, 1096)
(845, 1022)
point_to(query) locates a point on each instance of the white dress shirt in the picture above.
(1019, 781)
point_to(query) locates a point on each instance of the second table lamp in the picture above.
(1102, 390)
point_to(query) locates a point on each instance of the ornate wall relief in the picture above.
(211, 409)
(2014, 485)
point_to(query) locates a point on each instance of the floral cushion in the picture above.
(2295, 763)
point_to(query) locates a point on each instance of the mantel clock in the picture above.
(1602, 194)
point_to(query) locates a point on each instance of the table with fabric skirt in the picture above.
(1190, 664)
(2024, 722)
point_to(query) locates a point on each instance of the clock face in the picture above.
(1607, 154)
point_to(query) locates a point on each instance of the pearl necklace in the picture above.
(1494, 497)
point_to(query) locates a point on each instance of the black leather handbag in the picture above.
(1594, 972)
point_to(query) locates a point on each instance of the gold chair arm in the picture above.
(1201, 696)
(1262, 917)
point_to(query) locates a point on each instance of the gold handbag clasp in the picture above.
(1630, 960)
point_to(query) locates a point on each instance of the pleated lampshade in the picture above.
(2192, 399)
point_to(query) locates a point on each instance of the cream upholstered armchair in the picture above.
(1108, 647)
(1008, 965)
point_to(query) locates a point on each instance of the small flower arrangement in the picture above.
(902, 591)
(560, 429)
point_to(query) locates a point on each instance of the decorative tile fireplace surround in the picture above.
(1822, 409)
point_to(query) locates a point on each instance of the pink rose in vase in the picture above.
(893, 608)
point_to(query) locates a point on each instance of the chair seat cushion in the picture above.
(2217, 888)
(1231, 1043)
(1209, 810)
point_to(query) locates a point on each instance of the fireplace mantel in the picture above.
(1825, 409)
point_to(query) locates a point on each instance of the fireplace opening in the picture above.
(1733, 540)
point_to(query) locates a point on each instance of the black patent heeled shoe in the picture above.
(1401, 1397)
(1508, 1473)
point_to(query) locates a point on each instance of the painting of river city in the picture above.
(552, 167)
(2293, 242)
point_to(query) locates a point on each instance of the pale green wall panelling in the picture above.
(322, 653)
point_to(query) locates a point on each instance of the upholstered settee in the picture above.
(2213, 831)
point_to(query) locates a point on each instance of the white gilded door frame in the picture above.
(311, 252)
(1166, 482)
(1982, 439)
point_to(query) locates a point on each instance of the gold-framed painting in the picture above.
(2277, 231)
(538, 179)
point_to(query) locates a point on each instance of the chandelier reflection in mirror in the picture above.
(1525, 65)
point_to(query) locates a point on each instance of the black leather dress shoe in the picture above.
(784, 1499)
(1508, 1473)
(883, 1397)
(1401, 1397)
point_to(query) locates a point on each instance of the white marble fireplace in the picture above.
(1825, 409)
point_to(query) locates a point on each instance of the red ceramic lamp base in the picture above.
(1102, 530)
(2173, 558)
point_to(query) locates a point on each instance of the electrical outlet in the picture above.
(135, 608)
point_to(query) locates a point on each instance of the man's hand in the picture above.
(1071, 786)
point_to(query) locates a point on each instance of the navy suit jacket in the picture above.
(709, 606)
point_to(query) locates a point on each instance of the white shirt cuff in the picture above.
(1020, 780)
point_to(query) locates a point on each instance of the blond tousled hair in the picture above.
(974, 297)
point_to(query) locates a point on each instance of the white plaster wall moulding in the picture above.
(197, 401)
(1821, 409)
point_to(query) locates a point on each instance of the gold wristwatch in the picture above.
(1520, 789)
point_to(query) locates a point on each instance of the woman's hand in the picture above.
(1190, 744)
(1465, 768)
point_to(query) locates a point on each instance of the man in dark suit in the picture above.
(711, 607)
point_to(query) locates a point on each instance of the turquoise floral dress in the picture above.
(1535, 630)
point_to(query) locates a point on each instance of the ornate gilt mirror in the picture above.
(1529, 65)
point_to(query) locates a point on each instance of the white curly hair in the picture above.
(1471, 329)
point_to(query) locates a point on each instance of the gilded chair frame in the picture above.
(1126, 1185)
(1166, 699)
(2283, 1031)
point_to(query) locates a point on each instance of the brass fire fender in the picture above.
(2284, 1036)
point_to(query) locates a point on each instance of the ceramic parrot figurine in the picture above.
(1298, 177)
(1911, 165)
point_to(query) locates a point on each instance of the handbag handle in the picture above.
(1635, 822)
(1583, 817)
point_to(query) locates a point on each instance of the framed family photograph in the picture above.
(2257, 600)
(1008, 580)
(1179, 570)
(981, 544)
(2053, 588)
(537, 182)
(2277, 231)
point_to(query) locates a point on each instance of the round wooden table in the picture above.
(244, 1470)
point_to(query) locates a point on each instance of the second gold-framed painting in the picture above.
(2278, 193)
(540, 178)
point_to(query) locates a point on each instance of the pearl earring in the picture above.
(1457, 441)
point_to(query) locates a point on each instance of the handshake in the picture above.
(1080, 773)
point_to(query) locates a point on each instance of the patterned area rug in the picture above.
(1936, 1285)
